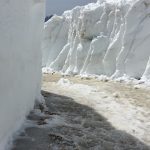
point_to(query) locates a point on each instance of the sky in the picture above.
(59, 6)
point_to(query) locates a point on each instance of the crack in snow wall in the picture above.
(20, 62)
(105, 38)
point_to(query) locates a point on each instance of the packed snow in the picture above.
(87, 114)
(105, 38)
(125, 107)
(20, 60)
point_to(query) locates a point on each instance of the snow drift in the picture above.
(20, 62)
(105, 38)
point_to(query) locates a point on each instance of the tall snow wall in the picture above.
(21, 23)
(110, 37)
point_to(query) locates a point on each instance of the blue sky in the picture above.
(59, 6)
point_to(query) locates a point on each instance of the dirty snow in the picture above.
(124, 106)
(88, 114)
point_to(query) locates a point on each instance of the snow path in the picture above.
(89, 114)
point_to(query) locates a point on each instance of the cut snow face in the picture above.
(109, 38)
(20, 60)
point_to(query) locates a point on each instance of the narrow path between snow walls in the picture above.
(87, 114)
(108, 37)
(20, 62)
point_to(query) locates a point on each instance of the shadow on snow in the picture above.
(74, 127)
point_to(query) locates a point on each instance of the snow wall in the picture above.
(21, 26)
(110, 37)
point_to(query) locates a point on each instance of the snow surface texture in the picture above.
(105, 38)
(20, 60)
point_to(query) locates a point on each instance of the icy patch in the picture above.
(55, 121)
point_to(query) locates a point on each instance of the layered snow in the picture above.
(20, 62)
(105, 38)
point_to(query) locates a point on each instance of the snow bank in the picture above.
(20, 60)
(105, 38)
